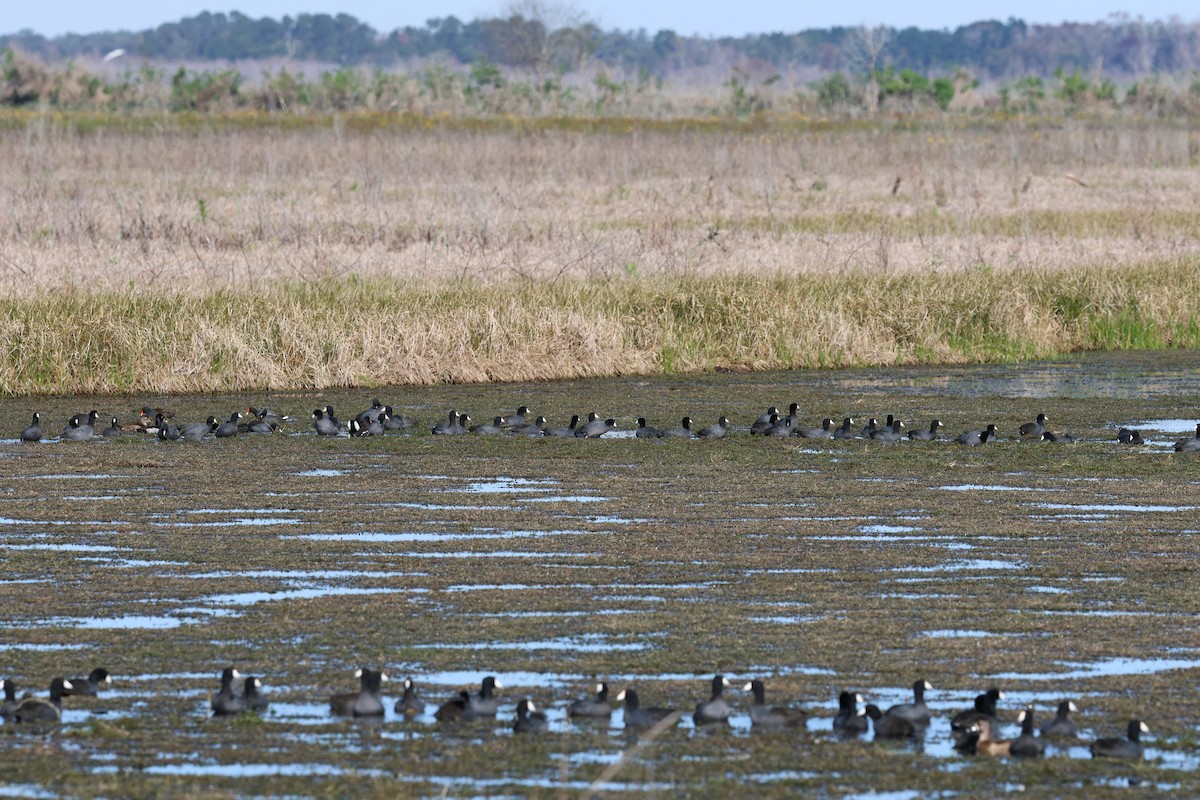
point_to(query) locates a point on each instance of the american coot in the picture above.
(229, 427)
(637, 716)
(79, 431)
(529, 719)
(683, 431)
(888, 434)
(1117, 747)
(869, 428)
(1027, 745)
(564, 433)
(535, 428)
(793, 415)
(781, 429)
(926, 435)
(823, 432)
(985, 707)
(196, 431)
(1034, 430)
(367, 701)
(9, 704)
(594, 707)
(447, 427)
(225, 701)
(398, 422)
(332, 417)
(454, 709)
(763, 424)
(850, 721)
(915, 712)
(486, 429)
(34, 432)
(595, 428)
(410, 705)
(977, 437)
(1190, 444)
(484, 703)
(844, 432)
(90, 686)
(771, 717)
(1062, 724)
(250, 696)
(322, 424)
(888, 726)
(714, 709)
(645, 431)
(717, 431)
(268, 416)
(257, 424)
(371, 414)
(1129, 436)
(167, 432)
(515, 420)
(35, 709)
(1061, 438)
(114, 428)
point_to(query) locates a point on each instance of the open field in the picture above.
(1052, 571)
(182, 256)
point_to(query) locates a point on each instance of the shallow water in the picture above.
(815, 566)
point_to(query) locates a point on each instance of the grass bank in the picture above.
(353, 332)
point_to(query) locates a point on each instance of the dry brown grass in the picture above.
(457, 255)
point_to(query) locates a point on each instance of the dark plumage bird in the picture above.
(488, 429)
(9, 704)
(323, 425)
(1027, 745)
(34, 432)
(682, 431)
(764, 423)
(229, 427)
(771, 717)
(1034, 430)
(1129, 436)
(926, 435)
(781, 429)
(398, 422)
(869, 428)
(535, 428)
(113, 429)
(410, 705)
(529, 719)
(78, 430)
(515, 420)
(889, 727)
(1117, 747)
(889, 433)
(450, 426)
(715, 708)
(1189, 445)
(844, 432)
(455, 709)
(594, 707)
(35, 709)
(719, 430)
(595, 428)
(850, 721)
(250, 696)
(196, 431)
(638, 716)
(564, 433)
(332, 417)
(977, 437)
(367, 701)
(167, 432)
(1062, 724)
(371, 414)
(484, 703)
(985, 708)
(645, 431)
(915, 712)
(226, 702)
(1061, 438)
(90, 686)
(823, 432)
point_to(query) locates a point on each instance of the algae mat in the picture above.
(1051, 571)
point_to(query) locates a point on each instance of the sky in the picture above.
(703, 17)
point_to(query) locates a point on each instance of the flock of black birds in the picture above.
(380, 419)
(975, 728)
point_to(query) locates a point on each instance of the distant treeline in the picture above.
(1122, 47)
